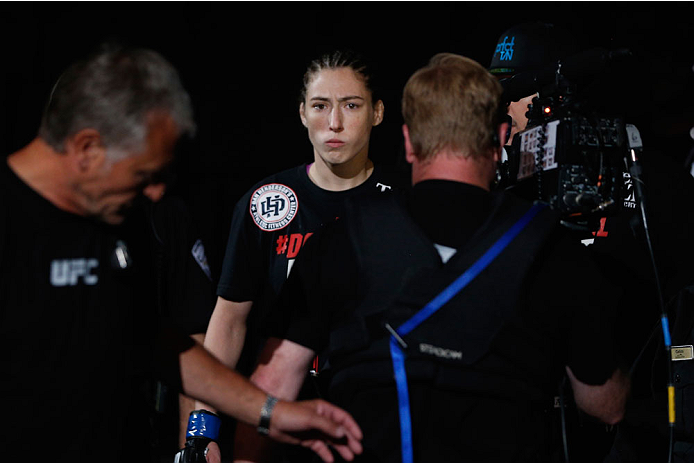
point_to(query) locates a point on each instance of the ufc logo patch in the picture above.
(70, 272)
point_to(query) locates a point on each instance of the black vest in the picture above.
(401, 271)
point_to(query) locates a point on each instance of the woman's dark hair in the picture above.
(343, 59)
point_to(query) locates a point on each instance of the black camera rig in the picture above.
(569, 155)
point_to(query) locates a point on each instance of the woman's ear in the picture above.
(379, 109)
(302, 114)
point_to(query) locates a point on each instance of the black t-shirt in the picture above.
(270, 225)
(78, 323)
(274, 219)
(569, 307)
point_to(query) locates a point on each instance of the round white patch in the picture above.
(273, 206)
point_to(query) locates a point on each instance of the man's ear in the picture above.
(86, 150)
(379, 109)
(302, 114)
(409, 152)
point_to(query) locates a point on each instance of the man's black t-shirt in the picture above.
(79, 316)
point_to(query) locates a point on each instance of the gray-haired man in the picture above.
(76, 305)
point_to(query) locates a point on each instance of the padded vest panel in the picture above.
(401, 271)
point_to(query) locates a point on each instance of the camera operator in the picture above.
(619, 239)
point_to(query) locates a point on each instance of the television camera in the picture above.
(569, 156)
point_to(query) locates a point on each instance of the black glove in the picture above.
(203, 428)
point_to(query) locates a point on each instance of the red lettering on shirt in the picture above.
(294, 245)
(291, 244)
(282, 241)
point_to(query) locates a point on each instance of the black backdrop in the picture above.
(243, 61)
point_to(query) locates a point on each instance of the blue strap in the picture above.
(398, 357)
(435, 304)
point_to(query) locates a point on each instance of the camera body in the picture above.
(568, 156)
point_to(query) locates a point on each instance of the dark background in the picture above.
(243, 64)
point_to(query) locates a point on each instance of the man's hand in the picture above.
(607, 401)
(316, 424)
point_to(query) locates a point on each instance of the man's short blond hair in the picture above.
(452, 103)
